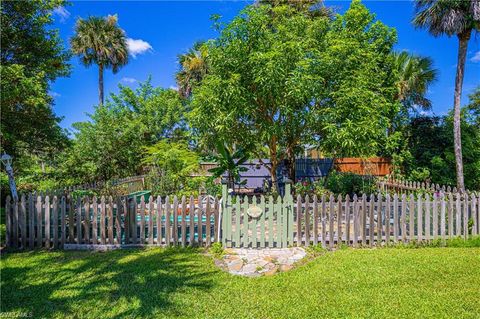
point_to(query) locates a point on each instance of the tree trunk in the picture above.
(100, 83)
(291, 164)
(457, 135)
(273, 163)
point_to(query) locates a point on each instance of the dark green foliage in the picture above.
(172, 165)
(28, 39)
(110, 144)
(32, 56)
(429, 155)
(311, 188)
(349, 183)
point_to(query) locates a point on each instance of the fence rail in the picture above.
(403, 186)
(358, 221)
(132, 183)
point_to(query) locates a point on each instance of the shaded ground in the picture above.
(159, 283)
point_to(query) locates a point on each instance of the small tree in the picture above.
(229, 162)
(173, 164)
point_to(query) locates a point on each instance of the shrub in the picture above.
(311, 188)
(349, 183)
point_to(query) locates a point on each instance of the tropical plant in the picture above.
(351, 184)
(229, 162)
(101, 41)
(193, 68)
(414, 75)
(459, 18)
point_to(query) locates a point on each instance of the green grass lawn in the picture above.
(159, 283)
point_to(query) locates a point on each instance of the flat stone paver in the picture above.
(257, 262)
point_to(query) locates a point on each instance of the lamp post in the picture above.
(7, 162)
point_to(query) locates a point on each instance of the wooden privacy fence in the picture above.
(250, 221)
(57, 222)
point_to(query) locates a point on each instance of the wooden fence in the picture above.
(57, 222)
(358, 221)
(377, 220)
(374, 166)
(403, 186)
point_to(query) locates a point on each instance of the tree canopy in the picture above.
(279, 80)
(109, 144)
(32, 56)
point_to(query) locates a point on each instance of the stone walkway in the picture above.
(257, 262)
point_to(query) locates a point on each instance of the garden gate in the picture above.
(257, 221)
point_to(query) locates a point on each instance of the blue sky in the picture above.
(160, 30)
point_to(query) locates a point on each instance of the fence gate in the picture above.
(257, 221)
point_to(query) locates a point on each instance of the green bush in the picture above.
(349, 183)
(310, 188)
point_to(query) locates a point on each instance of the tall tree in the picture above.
(452, 17)
(101, 41)
(354, 104)
(32, 57)
(193, 68)
(260, 75)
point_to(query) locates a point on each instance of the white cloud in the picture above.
(138, 46)
(54, 94)
(63, 13)
(173, 87)
(128, 80)
(476, 57)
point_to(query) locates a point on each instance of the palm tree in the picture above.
(100, 40)
(452, 17)
(414, 75)
(193, 68)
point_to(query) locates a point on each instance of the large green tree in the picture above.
(32, 57)
(259, 80)
(459, 18)
(101, 41)
(358, 90)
